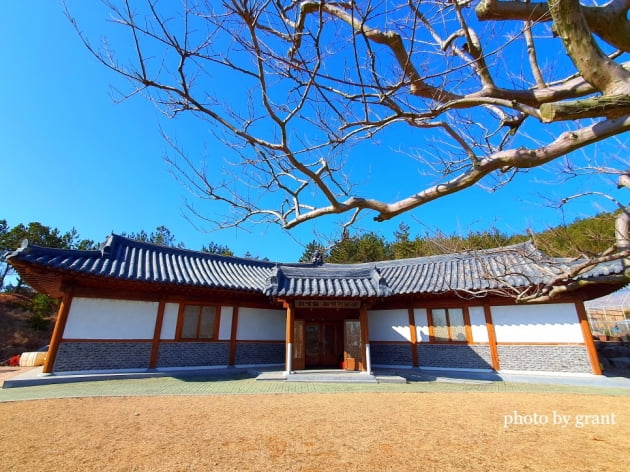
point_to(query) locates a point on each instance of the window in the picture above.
(197, 322)
(448, 325)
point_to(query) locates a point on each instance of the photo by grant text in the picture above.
(557, 419)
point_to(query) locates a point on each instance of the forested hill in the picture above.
(583, 237)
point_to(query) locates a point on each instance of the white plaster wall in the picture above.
(96, 318)
(388, 325)
(537, 323)
(422, 325)
(225, 325)
(261, 324)
(169, 322)
(478, 324)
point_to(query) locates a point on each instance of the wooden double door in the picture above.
(327, 344)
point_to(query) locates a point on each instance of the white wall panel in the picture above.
(225, 325)
(261, 324)
(422, 325)
(478, 324)
(537, 323)
(169, 322)
(388, 325)
(95, 318)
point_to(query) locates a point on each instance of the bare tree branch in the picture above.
(294, 90)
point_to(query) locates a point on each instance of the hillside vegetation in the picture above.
(21, 330)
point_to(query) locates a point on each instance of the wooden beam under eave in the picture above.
(57, 336)
(365, 339)
(289, 337)
(413, 336)
(588, 338)
(233, 334)
(157, 333)
(492, 338)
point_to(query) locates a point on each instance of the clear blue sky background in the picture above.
(71, 157)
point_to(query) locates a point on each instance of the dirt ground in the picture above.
(319, 432)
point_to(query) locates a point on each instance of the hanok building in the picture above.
(132, 306)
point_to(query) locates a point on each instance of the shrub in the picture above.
(42, 307)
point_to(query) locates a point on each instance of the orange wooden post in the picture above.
(467, 327)
(492, 338)
(289, 336)
(233, 333)
(57, 336)
(430, 323)
(365, 339)
(588, 338)
(157, 333)
(413, 337)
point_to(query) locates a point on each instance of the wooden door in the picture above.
(313, 344)
(352, 348)
(322, 344)
(298, 362)
(329, 346)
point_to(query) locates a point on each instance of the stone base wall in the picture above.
(252, 353)
(454, 356)
(105, 355)
(562, 358)
(102, 355)
(193, 354)
(391, 354)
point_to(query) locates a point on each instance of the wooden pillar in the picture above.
(492, 338)
(233, 333)
(430, 324)
(365, 338)
(467, 327)
(157, 334)
(413, 337)
(289, 336)
(588, 338)
(57, 335)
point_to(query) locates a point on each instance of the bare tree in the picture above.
(484, 89)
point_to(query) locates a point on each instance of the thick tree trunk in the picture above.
(609, 21)
(612, 106)
(596, 67)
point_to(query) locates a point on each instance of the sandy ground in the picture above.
(319, 432)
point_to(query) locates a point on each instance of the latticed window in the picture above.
(198, 322)
(448, 324)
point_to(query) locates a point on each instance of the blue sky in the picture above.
(71, 157)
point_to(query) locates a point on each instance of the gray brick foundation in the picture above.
(454, 356)
(260, 353)
(102, 355)
(544, 358)
(391, 354)
(193, 354)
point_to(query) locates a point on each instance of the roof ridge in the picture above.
(115, 239)
(26, 247)
(526, 246)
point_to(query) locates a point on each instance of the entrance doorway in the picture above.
(324, 344)
(328, 344)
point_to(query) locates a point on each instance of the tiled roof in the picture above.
(121, 258)
(329, 280)
(126, 259)
(518, 266)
